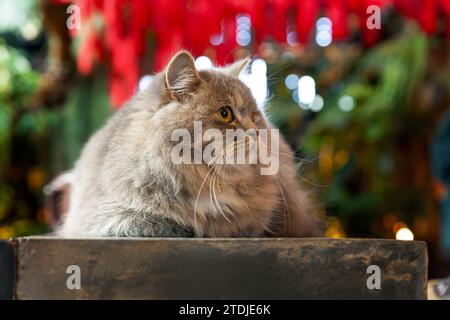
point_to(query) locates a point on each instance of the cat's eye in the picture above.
(225, 114)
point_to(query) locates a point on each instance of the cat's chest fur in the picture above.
(244, 209)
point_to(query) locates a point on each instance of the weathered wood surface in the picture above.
(7, 270)
(220, 268)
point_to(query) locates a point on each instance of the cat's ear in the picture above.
(181, 76)
(237, 67)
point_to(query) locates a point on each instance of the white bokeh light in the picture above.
(145, 82)
(216, 39)
(243, 38)
(243, 19)
(243, 30)
(324, 33)
(202, 63)
(404, 234)
(306, 90)
(304, 106)
(256, 80)
(324, 38)
(346, 103)
(291, 38)
(291, 81)
(295, 95)
(324, 23)
(317, 104)
(259, 67)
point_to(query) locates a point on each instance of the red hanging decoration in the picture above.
(224, 51)
(407, 7)
(428, 16)
(337, 13)
(203, 19)
(121, 34)
(276, 20)
(168, 24)
(445, 5)
(307, 11)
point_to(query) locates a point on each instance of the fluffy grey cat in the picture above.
(127, 184)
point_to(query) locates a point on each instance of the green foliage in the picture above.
(382, 86)
(358, 154)
(36, 143)
(85, 111)
(17, 83)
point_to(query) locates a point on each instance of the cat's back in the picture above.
(88, 168)
(96, 149)
(114, 136)
(104, 157)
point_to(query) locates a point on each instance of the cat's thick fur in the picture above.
(127, 185)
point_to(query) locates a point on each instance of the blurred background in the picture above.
(360, 88)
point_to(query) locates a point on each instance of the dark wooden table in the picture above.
(52, 268)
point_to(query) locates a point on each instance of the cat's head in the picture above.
(216, 101)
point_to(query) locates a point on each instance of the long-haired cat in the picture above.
(127, 184)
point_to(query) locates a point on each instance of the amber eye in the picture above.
(225, 114)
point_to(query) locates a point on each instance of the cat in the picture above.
(126, 184)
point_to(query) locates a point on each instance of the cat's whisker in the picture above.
(214, 203)
(291, 156)
(235, 146)
(217, 201)
(296, 172)
(288, 65)
(198, 196)
(213, 182)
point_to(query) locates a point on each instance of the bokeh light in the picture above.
(243, 30)
(317, 104)
(404, 234)
(291, 81)
(306, 89)
(203, 62)
(145, 81)
(346, 103)
(256, 80)
(324, 35)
